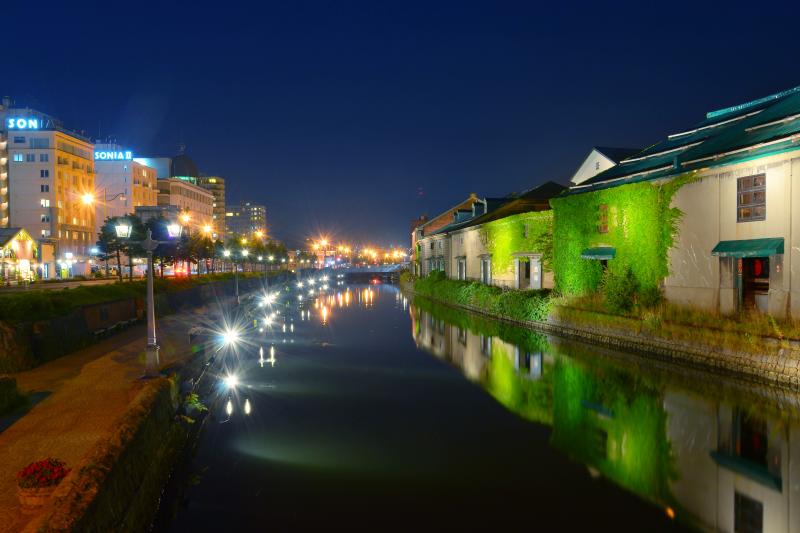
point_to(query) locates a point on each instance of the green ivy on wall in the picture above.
(507, 236)
(641, 227)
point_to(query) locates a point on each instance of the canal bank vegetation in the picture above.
(619, 306)
(25, 306)
(515, 304)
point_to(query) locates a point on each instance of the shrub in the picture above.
(516, 304)
(619, 289)
(650, 297)
(10, 397)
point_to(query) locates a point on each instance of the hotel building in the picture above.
(46, 183)
(121, 183)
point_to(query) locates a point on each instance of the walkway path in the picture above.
(88, 390)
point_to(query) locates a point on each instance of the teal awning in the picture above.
(601, 252)
(749, 248)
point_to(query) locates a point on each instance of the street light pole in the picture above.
(151, 364)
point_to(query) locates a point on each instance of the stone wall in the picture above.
(30, 344)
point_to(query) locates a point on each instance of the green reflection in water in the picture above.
(609, 419)
(531, 399)
(615, 423)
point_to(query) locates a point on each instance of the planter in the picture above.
(32, 499)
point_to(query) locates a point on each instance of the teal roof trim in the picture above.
(599, 253)
(749, 247)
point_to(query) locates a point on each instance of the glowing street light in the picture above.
(186, 218)
(87, 199)
(231, 380)
(226, 253)
(230, 337)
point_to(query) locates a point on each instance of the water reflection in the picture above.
(714, 455)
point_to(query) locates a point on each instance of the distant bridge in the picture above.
(382, 272)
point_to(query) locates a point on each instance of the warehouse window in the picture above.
(602, 219)
(751, 203)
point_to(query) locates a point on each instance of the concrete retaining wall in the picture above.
(119, 487)
(30, 344)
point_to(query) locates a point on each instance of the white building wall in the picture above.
(709, 209)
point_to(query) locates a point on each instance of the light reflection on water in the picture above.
(726, 456)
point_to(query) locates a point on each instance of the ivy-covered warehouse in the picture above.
(508, 243)
(710, 216)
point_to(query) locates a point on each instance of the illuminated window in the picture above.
(45, 218)
(602, 219)
(597, 165)
(18, 158)
(751, 202)
(44, 202)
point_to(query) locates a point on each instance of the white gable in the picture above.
(594, 164)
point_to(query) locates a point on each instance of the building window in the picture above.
(30, 158)
(751, 200)
(45, 218)
(44, 188)
(597, 165)
(44, 158)
(18, 140)
(486, 270)
(44, 202)
(45, 233)
(44, 173)
(602, 219)
(18, 158)
(748, 514)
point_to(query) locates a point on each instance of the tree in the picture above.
(109, 244)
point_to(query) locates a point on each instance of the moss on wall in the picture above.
(642, 227)
(524, 232)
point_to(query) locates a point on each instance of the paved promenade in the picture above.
(85, 393)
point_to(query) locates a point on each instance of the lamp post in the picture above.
(151, 363)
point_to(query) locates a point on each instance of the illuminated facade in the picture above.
(216, 185)
(193, 201)
(122, 183)
(46, 177)
(246, 218)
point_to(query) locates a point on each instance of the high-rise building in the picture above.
(216, 185)
(194, 202)
(121, 183)
(246, 218)
(47, 185)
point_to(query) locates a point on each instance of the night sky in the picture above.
(351, 119)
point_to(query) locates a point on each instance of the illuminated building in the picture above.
(216, 185)
(193, 202)
(47, 182)
(121, 184)
(246, 218)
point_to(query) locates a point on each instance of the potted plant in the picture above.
(37, 481)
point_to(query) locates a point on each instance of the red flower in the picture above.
(45, 473)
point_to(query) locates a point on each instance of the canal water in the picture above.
(359, 409)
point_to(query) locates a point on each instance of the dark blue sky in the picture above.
(337, 114)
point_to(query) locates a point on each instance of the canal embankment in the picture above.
(765, 359)
(119, 434)
(41, 326)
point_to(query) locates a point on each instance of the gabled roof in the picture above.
(761, 127)
(8, 234)
(536, 199)
(617, 154)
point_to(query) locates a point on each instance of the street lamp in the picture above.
(149, 245)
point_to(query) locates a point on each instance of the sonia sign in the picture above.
(17, 123)
(113, 155)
